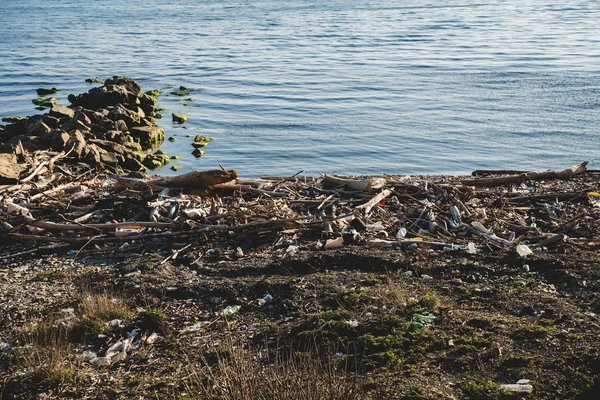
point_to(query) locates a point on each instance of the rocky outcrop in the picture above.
(110, 125)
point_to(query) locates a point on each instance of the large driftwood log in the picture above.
(362, 185)
(194, 180)
(529, 176)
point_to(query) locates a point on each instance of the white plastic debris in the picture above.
(471, 249)
(401, 234)
(113, 324)
(152, 338)
(196, 327)
(195, 213)
(517, 388)
(479, 226)
(524, 250)
(120, 232)
(334, 243)
(117, 348)
(291, 249)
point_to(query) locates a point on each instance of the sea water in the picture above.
(347, 86)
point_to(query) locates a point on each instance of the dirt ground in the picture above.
(499, 318)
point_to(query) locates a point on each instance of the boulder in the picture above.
(120, 112)
(148, 136)
(38, 129)
(14, 118)
(110, 146)
(109, 159)
(51, 121)
(103, 96)
(132, 164)
(77, 141)
(128, 83)
(153, 161)
(57, 140)
(16, 128)
(179, 118)
(120, 125)
(59, 111)
(80, 116)
(44, 92)
(10, 171)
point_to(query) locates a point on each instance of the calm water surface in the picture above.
(378, 86)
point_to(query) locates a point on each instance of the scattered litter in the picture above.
(264, 300)
(353, 323)
(230, 310)
(518, 388)
(196, 327)
(334, 243)
(524, 250)
(471, 249)
(152, 338)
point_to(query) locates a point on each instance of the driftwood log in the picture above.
(361, 185)
(528, 176)
(192, 180)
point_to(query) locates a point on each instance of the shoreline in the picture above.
(209, 286)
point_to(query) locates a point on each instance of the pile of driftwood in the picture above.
(87, 211)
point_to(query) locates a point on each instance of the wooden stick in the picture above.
(374, 201)
(529, 176)
(485, 172)
(199, 230)
(51, 226)
(34, 173)
(248, 189)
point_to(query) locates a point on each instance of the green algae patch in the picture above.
(201, 141)
(94, 80)
(153, 93)
(44, 101)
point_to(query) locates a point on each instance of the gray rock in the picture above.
(120, 112)
(38, 129)
(10, 171)
(131, 164)
(148, 135)
(179, 118)
(80, 116)
(77, 141)
(120, 125)
(57, 140)
(59, 111)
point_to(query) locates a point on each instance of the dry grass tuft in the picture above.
(97, 309)
(245, 374)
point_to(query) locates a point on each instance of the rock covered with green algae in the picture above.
(179, 118)
(109, 125)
